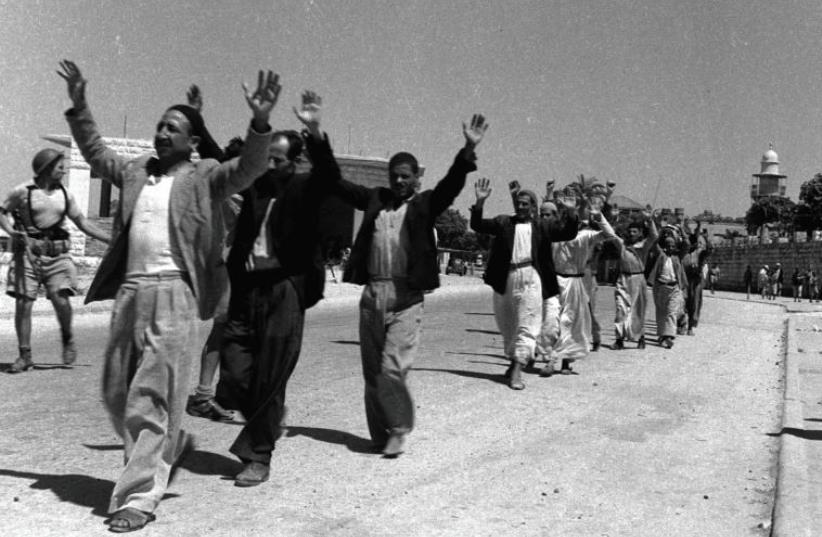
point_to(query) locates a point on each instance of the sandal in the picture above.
(129, 519)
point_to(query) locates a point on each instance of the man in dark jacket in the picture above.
(521, 270)
(276, 273)
(395, 257)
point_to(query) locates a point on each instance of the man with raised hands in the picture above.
(163, 270)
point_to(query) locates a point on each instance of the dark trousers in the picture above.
(693, 302)
(261, 345)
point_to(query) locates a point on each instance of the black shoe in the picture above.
(641, 343)
(668, 342)
(69, 352)
(595, 346)
(547, 370)
(209, 408)
(252, 475)
(566, 368)
(618, 345)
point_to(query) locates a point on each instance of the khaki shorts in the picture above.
(28, 272)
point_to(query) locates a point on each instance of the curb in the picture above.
(791, 511)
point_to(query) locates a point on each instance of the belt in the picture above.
(570, 275)
(632, 273)
(521, 264)
(49, 247)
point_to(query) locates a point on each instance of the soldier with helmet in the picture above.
(40, 246)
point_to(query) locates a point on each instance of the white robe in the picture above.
(518, 312)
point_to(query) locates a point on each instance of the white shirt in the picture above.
(389, 245)
(521, 251)
(150, 246)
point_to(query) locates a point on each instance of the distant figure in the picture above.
(762, 281)
(777, 280)
(713, 277)
(669, 285)
(796, 285)
(747, 278)
(813, 285)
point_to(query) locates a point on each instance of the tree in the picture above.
(452, 232)
(805, 220)
(451, 226)
(771, 210)
(810, 212)
(732, 235)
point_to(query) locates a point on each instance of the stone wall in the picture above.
(732, 261)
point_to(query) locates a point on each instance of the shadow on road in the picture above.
(345, 342)
(208, 463)
(495, 355)
(799, 433)
(477, 313)
(479, 331)
(498, 378)
(78, 489)
(42, 367)
(104, 447)
(354, 443)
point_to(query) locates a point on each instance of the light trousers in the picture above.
(153, 345)
(519, 314)
(631, 303)
(390, 328)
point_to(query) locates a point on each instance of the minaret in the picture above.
(768, 182)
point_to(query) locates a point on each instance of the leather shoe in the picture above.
(69, 352)
(641, 343)
(23, 363)
(394, 447)
(618, 345)
(252, 475)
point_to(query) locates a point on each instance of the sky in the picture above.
(676, 101)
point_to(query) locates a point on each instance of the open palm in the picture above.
(310, 111)
(75, 83)
(475, 130)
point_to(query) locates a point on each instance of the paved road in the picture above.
(678, 442)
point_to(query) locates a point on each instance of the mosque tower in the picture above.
(768, 182)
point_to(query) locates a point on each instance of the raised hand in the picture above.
(75, 82)
(610, 186)
(614, 216)
(262, 100)
(475, 131)
(195, 97)
(549, 190)
(482, 188)
(310, 112)
(514, 187)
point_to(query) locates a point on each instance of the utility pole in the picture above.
(656, 192)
